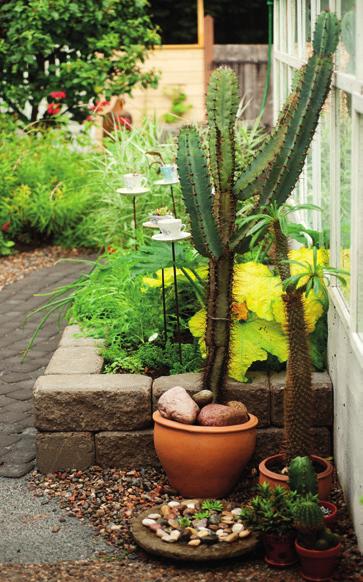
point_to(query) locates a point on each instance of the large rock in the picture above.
(125, 450)
(176, 404)
(221, 415)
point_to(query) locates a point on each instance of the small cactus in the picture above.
(302, 477)
(308, 515)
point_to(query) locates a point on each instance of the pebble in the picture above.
(160, 533)
(55, 529)
(194, 542)
(244, 533)
(173, 504)
(231, 537)
(236, 511)
(175, 534)
(237, 527)
(147, 521)
(154, 516)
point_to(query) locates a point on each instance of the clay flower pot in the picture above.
(203, 461)
(318, 565)
(280, 549)
(330, 517)
(274, 479)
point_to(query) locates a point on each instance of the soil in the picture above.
(22, 262)
(110, 497)
(279, 467)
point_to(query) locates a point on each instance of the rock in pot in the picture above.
(221, 415)
(176, 404)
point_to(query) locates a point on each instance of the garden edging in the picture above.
(85, 417)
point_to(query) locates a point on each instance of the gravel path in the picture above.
(35, 529)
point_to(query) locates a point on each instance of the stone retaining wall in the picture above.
(84, 417)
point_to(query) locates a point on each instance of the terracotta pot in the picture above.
(203, 461)
(318, 565)
(280, 549)
(332, 516)
(324, 478)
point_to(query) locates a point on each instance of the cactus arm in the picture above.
(196, 191)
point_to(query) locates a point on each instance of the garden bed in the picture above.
(85, 417)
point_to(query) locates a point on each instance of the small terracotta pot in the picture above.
(331, 518)
(280, 549)
(318, 565)
(274, 479)
(203, 461)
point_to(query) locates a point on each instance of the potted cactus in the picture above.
(271, 515)
(317, 546)
(213, 194)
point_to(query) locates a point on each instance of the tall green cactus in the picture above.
(271, 175)
(302, 476)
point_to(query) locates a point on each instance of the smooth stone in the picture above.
(237, 527)
(203, 397)
(210, 539)
(175, 534)
(191, 531)
(236, 511)
(242, 408)
(174, 523)
(147, 521)
(231, 537)
(220, 415)
(165, 511)
(173, 504)
(214, 519)
(154, 516)
(154, 526)
(160, 533)
(176, 404)
(213, 527)
(194, 542)
(244, 533)
(198, 523)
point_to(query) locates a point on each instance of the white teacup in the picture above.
(169, 172)
(171, 227)
(155, 218)
(135, 181)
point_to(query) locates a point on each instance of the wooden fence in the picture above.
(250, 64)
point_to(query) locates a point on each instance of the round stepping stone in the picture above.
(152, 544)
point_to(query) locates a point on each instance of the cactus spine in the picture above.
(272, 175)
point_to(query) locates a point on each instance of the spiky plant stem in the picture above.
(218, 322)
(298, 397)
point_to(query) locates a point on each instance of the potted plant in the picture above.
(303, 479)
(210, 164)
(317, 546)
(298, 393)
(160, 214)
(271, 515)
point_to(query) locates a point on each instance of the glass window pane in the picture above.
(325, 147)
(360, 230)
(345, 153)
(346, 53)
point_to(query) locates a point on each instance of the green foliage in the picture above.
(179, 106)
(59, 47)
(271, 511)
(6, 245)
(202, 514)
(184, 521)
(302, 476)
(212, 505)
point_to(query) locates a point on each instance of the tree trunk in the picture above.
(218, 323)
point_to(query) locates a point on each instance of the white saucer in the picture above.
(162, 238)
(166, 182)
(150, 224)
(128, 192)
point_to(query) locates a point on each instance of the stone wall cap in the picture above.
(91, 382)
(72, 337)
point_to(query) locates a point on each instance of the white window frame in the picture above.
(285, 59)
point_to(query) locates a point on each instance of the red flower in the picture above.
(98, 106)
(5, 227)
(54, 108)
(58, 94)
(123, 122)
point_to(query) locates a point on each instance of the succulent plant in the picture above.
(302, 476)
(271, 176)
(310, 525)
(212, 505)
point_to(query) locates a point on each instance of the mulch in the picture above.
(17, 265)
(108, 499)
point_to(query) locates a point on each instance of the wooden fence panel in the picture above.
(250, 65)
